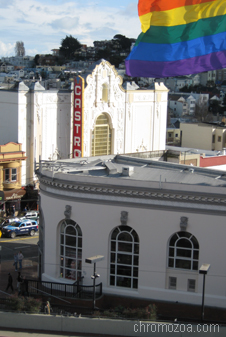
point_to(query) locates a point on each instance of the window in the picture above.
(105, 93)
(213, 139)
(70, 250)
(10, 175)
(101, 136)
(7, 175)
(14, 174)
(219, 139)
(172, 283)
(191, 285)
(124, 258)
(183, 251)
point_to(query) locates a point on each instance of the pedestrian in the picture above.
(20, 258)
(15, 261)
(10, 282)
(47, 308)
(13, 208)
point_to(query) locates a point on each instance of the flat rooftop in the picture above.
(134, 169)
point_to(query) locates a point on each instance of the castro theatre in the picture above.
(93, 116)
(107, 119)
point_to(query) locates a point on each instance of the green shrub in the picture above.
(149, 312)
(20, 304)
(15, 303)
(32, 305)
(119, 309)
(152, 312)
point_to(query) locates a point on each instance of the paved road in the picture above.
(27, 244)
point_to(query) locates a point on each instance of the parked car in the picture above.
(21, 227)
(34, 215)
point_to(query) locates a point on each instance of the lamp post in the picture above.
(203, 270)
(93, 260)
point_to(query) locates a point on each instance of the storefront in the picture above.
(10, 199)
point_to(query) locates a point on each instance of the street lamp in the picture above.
(203, 270)
(93, 260)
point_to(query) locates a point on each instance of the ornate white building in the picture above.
(115, 120)
(133, 120)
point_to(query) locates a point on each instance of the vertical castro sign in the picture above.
(78, 117)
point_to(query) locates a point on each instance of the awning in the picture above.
(12, 194)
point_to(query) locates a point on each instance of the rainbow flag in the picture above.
(179, 37)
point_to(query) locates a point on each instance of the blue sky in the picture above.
(42, 24)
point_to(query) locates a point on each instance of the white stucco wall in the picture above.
(9, 116)
(14, 106)
(154, 227)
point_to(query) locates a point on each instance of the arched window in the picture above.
(70, 250)
(124, 257)
(183, 251)
(101, 136)
(105, 93)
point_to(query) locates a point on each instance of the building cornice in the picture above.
(134, 195)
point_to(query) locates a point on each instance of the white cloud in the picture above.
(5, 3)
(42, 26)
(65, 23)
(7, 49)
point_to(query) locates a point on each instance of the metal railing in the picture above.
(75, 290)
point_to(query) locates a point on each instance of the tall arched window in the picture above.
(183, 251)
(101, 136)
(70, 250)
(124, 257)
(105, 92)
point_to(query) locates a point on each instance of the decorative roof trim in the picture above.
(160, 194)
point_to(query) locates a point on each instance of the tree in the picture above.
(201, 109)
(103, 54)
(19, 48)
(124, 42)
(36, 59)
(68, 46)
(210, 83)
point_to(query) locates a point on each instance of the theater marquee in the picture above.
(78, 117)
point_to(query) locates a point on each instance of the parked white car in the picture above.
(33, 215)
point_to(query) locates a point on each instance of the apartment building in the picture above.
(206, 136)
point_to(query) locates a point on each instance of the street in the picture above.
(27, 244)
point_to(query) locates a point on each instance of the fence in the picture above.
(75, 290)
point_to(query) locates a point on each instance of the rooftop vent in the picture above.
(191, 170)
(127, 171)
(112, 169)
